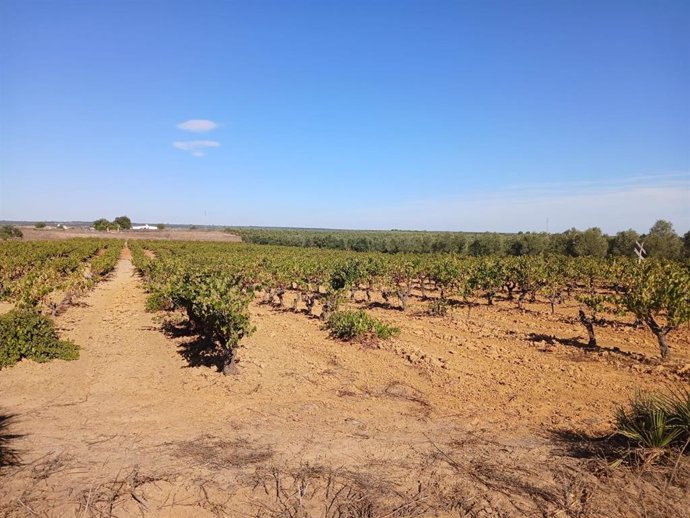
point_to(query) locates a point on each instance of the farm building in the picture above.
(144, 227)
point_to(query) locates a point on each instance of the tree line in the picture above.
(660, 241)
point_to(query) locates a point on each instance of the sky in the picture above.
(430, 114)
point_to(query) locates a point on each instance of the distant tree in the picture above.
(160, 226)
(102, 224)
(564, 243)
(40, 224)
(123, 222)
(529, 243)
(361, 244)
(623, 243)
(591, 243)
(10, 232)
(487, 244)
(662, 241)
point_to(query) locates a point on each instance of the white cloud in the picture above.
(196, 147)
(197, 125)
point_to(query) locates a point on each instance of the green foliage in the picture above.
(10, 232)
(160, 226)
(31, 271)
(529, 243)
(658, 293)
(677, 405)
(489, 243)
(591, 243)
(573, 242)
(623, 243)
(216, 302)
(325, 278)
(40, 224)
(358, 325)
(656, 421)
(123, 222)
(26, 333)
(102, 224)
(663, 242)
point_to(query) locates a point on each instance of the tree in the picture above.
(102, 224)
(662, 241)
(565, 242)
(623, 243)
(686, 244)
(591, 242)
(529, 243)
(160, 226)
(123, 222)
(40, 224)
(487, 244)
(658, 294)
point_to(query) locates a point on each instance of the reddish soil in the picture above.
(455, 417)
(33, 234)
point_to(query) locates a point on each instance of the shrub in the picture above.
(10, 232)
(40, 224)
(349, 325)
(677, 405)
(26, 333)
(656, 421)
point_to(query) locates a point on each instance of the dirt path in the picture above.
(114, 408)
(131, 428)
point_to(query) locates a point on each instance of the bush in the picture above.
(26, 333)
(656, 421)
(10, 232)
(349, 325)
(40, 224)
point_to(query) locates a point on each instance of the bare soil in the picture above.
(34, 234)
(475, 417)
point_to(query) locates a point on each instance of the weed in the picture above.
(351, 325)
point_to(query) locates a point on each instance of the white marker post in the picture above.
(640, 251)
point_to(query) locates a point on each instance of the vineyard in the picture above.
(214, 285)
(363, 383)
(51, 274)
(40, 278)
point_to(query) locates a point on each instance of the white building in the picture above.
(144, 227)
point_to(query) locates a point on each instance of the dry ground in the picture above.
(455, 417)
(33, 234)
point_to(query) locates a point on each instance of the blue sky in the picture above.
(425, 114)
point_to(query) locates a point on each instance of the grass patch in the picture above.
(26, 333)
(358, 325)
